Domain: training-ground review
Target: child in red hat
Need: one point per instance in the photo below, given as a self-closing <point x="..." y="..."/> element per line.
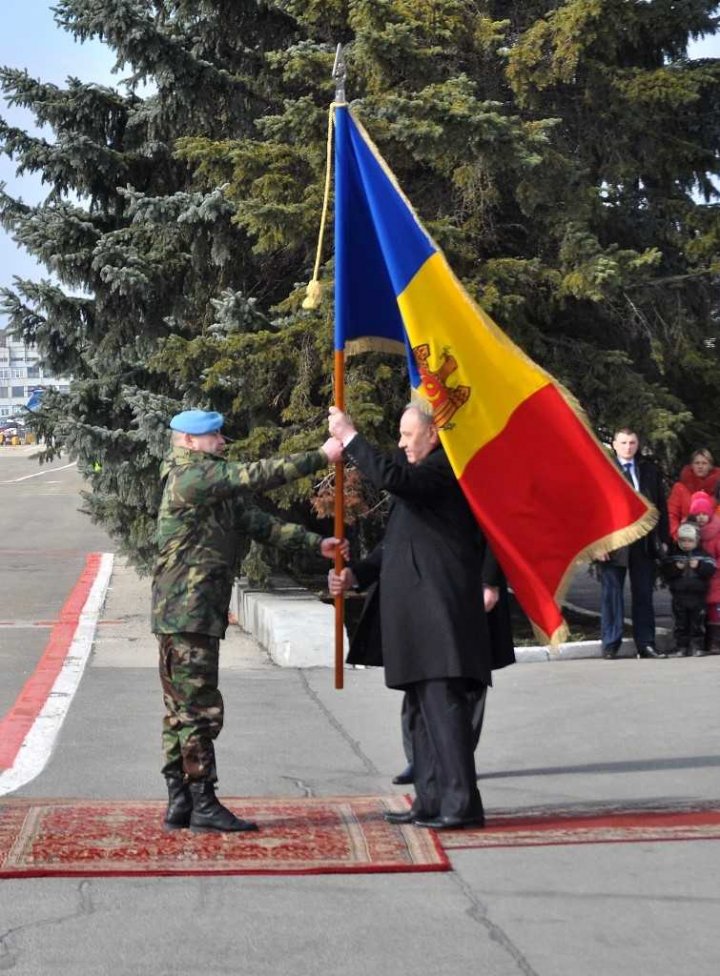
<point x="702" y="513"/>
<point x="688" y="569"/>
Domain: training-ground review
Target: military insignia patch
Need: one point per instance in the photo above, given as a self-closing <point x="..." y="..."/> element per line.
<point x="445" y="400"/>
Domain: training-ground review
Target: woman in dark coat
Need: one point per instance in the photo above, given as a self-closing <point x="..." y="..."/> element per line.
<point x="436" y="642"/>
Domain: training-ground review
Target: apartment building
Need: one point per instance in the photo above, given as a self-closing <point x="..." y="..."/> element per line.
<point x="20" y="375"/>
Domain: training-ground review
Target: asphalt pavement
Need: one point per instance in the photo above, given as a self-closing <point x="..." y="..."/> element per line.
<point x="582" y="735"/>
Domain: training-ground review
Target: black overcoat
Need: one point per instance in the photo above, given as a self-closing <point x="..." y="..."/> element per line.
<point x="429" y="574"/>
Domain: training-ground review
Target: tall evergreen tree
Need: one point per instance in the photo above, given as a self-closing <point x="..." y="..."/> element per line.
<point x="563" y="157"/>
<point x="136" y="253"/>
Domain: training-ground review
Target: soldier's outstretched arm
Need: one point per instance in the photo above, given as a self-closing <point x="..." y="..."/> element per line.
<point x="272" y="531"/>
<point x="210" y="482"/>
<point x="273" y="472"/>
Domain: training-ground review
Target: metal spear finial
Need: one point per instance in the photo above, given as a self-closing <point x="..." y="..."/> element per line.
<point x="339" y="73"/>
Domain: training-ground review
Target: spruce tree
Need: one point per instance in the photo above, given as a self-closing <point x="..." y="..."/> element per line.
<point x="137" y="254"/>
<point x="563" y="158"/>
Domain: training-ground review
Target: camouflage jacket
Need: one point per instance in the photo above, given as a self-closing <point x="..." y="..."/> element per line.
<point x="205" y="513"/>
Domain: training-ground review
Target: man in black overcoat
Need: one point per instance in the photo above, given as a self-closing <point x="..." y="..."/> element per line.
<point x="366" y="644"/>
<point x="436" y="642"/>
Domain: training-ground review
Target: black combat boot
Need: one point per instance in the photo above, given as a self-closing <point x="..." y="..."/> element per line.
<point x="209" y="815"/>
<point x="179" y="802"/>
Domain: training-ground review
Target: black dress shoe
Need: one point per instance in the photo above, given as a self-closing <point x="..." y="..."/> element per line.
<point x="610" y="651"/>
<point x="450" y="823"/>
<point x="405" y="777"/>
<point x="647" y="650"/>
<point x="404" y="816"/>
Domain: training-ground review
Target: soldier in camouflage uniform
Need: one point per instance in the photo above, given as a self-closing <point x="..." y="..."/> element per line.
<point x="205" y="512"/>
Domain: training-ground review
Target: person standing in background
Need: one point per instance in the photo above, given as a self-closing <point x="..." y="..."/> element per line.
<point x="699" y="475"/>
<point x="638" y="560"/>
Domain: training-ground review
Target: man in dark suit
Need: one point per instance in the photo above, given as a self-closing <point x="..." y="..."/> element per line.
<point x="638" y="559"/>
<point x="436" y="643"/>
<point x="478" y="698"/>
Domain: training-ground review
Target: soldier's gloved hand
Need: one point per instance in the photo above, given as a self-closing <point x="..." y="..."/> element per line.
<point x="491" y="595"/>
<point x="341" y="426"/>
<point x="328" y="547"/>
<point x="333" y="449"/>
<point x="341" y="582"/>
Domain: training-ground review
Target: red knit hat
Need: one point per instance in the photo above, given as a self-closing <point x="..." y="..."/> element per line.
<point x="701" y="504"/>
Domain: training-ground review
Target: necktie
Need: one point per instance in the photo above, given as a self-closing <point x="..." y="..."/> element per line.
<point x="627" y="467"/>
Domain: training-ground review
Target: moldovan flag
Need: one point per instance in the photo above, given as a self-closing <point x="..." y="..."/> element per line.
<point x="542" y="488"/>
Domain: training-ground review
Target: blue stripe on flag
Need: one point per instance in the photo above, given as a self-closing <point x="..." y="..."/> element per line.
<point x="379" y="245"/>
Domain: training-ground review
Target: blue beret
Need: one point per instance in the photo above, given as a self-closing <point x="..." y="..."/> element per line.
<point x="197" y="422"/>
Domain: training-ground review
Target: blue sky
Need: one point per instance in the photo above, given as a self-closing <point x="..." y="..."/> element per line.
<point x="30" y="39"/>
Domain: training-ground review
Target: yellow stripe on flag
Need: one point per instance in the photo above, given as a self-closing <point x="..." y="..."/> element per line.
<point x="438" y="312"/>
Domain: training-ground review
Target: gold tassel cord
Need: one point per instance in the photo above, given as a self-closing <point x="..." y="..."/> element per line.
<point x="313" y="295"/>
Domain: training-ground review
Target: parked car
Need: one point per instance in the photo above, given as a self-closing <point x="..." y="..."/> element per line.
<point x="11" y="431"/>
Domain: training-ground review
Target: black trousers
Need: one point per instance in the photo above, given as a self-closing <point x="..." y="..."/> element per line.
<point x="477" y="695"/>
<point x="689" y="625"/>
<point x="440" y="722"/>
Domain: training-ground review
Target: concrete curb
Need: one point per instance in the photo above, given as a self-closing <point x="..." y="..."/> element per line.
<point x="572" y="651"/>
<point x="298" y="631"/>
<point x="295" y="628"/>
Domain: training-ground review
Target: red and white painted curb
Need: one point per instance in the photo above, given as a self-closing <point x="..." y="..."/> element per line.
<point x="30" y="729"/>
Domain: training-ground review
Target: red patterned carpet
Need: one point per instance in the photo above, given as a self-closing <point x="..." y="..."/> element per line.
<point x="608" y="826"/>
<point x="328" y="835"/>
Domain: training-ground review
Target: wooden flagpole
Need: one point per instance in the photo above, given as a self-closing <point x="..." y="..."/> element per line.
<point x="339" y="528"/>
<point x="339" y="73"/>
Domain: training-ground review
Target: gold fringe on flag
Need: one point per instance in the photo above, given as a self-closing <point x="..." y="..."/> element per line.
<point x="601" y="547"/>
<point x="354" y="347"/>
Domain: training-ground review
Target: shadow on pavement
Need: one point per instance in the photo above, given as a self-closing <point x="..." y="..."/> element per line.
<point x="632" y="766"/>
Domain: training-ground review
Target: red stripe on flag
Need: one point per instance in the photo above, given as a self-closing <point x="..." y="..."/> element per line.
<point x="19" y="720"/>
<point x="543" y="492"/>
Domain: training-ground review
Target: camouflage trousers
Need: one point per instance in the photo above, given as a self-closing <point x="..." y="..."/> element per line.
<point x="193" y="704"/>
